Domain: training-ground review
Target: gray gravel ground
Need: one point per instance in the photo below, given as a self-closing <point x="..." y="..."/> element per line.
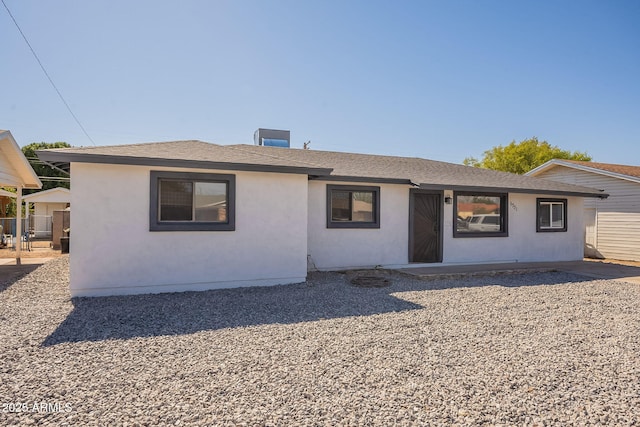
<point x="532" y="349"/>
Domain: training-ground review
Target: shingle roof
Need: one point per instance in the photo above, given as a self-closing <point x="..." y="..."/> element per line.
<point x="423" y="172"/>
<point x="189" y="153"/>
<point x="317" y="164"/>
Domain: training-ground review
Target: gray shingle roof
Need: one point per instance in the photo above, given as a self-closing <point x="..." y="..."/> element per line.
<point x="191" y="154"/>
<point x="317" y="164"/>
<point x="423" y="172"/>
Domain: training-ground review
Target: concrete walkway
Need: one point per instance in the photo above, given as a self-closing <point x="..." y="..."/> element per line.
<point x="593" y="269"/>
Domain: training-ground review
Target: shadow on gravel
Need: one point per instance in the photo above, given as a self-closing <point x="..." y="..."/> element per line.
<point x="10" y="274"/>
<point x="323" y="296"/>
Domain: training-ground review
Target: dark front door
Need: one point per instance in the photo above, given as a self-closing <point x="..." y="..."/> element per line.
<point x="425" y="229"/>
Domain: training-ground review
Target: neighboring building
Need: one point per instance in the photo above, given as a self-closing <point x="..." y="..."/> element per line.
<point x="15" y="172"/>
<point x="45" y="203"/>
<point x="189" y="215"/>
<point x="612" y="226"/>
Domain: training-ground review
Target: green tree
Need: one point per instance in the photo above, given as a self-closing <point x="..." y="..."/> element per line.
<point x="523" y="156"/>
<point x="57" y="177"/>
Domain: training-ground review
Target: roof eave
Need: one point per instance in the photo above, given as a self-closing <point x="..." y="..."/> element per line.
<point x="59" y="156"/>
<point x="600" y="195"/>
<point x="347" y="178"/>
<point x="28" y="177"/>
<point x="39" y="194"/>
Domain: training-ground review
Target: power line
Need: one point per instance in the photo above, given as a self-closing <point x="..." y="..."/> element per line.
<point x="47" y="74"/>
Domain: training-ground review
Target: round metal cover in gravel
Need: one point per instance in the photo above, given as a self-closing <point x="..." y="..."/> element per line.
<point x="369" y="278"/>
<point x="534" y="349"/>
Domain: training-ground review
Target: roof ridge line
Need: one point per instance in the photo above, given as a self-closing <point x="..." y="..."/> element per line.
<point x="134" y="144"/>
<point x="235" y="147"/>
<point x="350" y="152"/>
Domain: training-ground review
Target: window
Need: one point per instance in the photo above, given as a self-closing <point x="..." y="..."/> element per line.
<point x="353" y="206"/>
<point x="182" y="201"/>
<point x="480" y="215"/>
<point x="551" y="215"/>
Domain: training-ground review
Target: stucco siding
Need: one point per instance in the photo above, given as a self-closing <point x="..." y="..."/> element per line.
<point x="343" y="248"/>
<point x="113" y="251"/>
<point x="332" y="249"/>
<point x="524" y="243"/>
<point x="617" y="217"/>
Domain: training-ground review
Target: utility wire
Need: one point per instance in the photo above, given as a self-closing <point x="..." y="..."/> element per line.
<point x="47" y="74"/>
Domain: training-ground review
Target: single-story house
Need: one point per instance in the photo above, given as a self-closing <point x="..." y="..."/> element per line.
<point x="612" y="225"/>
<point x="16" y="172"/>
<point x="44" y="204"/>
<point x="190" y="215"/>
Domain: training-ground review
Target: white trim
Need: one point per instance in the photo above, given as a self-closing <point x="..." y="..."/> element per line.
<point x="555" y="162"/>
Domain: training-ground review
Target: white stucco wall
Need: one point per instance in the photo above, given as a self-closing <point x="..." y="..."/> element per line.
<point x="523" y="244"/>
<point x="343" y="248"/>
<point x="113" y="251"/>
<point x="336" y="248"/>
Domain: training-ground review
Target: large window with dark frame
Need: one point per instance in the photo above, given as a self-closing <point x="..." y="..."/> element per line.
<point x="353" y="206"/>
<point x="479" y="214"/>
<point x="551" y="215"/>
<point x="184" y="201"/>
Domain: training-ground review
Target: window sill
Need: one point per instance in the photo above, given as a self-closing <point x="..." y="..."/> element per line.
<point x="475" y="235"/>
<point x="193" y="226"/>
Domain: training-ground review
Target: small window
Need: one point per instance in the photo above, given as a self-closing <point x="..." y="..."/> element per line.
<point x="353" y="206"/>
<point x="181" y="201"/>
<point x="480" y="214"/>
<point x="551" y="215"/>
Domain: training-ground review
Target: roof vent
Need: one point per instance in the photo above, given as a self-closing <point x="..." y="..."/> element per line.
<point x="272" y="138"/>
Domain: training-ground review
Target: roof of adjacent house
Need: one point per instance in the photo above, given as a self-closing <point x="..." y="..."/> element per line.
<point x="628" y="172"/>
<point x="52" y="195"/>
<point x="325" y="165"/>
<point x="16" y="170"/>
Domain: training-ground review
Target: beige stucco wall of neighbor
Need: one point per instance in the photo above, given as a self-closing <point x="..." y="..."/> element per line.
<point x="343" y="248"/>
<point x="523" y="244"/>
<point x="113" y="252"/>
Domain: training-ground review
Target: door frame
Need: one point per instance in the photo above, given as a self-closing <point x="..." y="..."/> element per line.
<point x="440" y="194"/>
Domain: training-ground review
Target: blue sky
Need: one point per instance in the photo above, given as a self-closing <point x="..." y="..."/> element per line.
<point x="437" y="79"/>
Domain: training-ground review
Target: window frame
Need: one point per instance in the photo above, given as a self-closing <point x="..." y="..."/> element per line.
<point x="354" y="224"/>
<point x="504" y="214"/>
<point x="539" y="228"/>
<point x="154" y="202"/>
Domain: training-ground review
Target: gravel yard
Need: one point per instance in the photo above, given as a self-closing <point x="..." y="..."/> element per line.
<point x="530" y="349"/>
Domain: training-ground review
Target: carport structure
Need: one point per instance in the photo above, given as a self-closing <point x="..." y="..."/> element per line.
<point x="16" y="172"/>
